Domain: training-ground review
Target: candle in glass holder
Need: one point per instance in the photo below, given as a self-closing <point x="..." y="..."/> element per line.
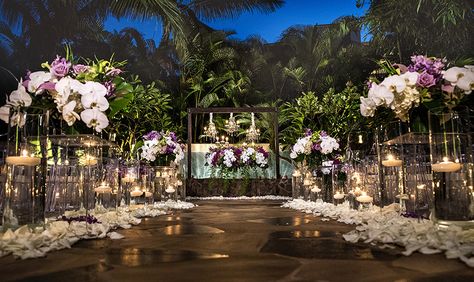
<point x="179" y="183"/>
<point x="170" y="189"/>
<point x="103" y="188"/>
<point x="315" y="189"/>
<point x="338" y="195"/>
<point x="446" y="166"/>
<point x="24" y="159"/>
<point x="129" y="178"/>
<point x="357" y="192"/>
<point x="136" y="192"/>
<point x="148" y="194"/>
<point x="391" y="161"/>
<point x="364" y="198"/>
<point x="307" y="182"/>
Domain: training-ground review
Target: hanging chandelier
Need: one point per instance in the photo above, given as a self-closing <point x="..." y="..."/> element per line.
<point x="253" y="132"/>
<point x="211" y="130"/>
<point x="231" y="125"/>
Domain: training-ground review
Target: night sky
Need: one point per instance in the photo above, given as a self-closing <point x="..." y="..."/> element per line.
<point x="268" y="26"/>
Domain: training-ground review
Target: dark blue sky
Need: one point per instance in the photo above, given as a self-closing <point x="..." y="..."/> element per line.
<point x="268" y="26"/>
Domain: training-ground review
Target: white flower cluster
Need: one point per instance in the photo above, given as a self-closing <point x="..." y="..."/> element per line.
<point x="229" y="157"/>
<point x="220" y="198"/>
<point x="261" y="160"/>
<point x="160" y="146"/>
<point x="387" y="227"/>
<point x="463" y="78"/>
<point x="247" y="154"/>
<point x="150" y="150"/>
<point x="302" y="146"/>
<point x="397" y="92"/>
<point x="73" y="99"/>
<point x="328" y="145"/>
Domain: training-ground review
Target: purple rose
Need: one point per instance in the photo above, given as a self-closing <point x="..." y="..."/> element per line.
<point x="426" y="80"/>
<point x="60" y="67"/>
<point x="113" y="72"/>
<point x="78" y="69"/>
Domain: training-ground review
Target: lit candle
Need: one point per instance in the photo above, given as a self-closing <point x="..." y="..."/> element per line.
<point x="129" y="178"/>
<point x="364" y="198"/>
<point x="391" y="161"/>
<point x="148" y="194"/>
<point x="446" y="166"/>
<point x="360" y="139"/>
<point x="179" y="183"/>
<point x="357" y="192"/>
<point x="170" y="190"/>
<point x="89" y="160"/>
<point x="136" y="192"/>
<point x="307" y="182"/>
<point x="103" y="188"/>
<point x="338" y="195"/>
<point x="315" y="189"/>
<point x="24" y="159"/>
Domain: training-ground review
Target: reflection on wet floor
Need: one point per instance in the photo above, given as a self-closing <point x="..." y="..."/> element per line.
<point x="283" y="221"/>
<point x="138" y="257"/>
<point x="302" y="234"/>
<point x="80" y="274"/>
<point x="185" y="229"/>
<point x="323" y="248"/>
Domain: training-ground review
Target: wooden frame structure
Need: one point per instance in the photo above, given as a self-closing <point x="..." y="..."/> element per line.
<point x="228" y="110"/>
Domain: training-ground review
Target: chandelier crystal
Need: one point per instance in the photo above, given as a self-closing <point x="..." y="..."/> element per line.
<point x="211" y="130"/>
<point x="231" y="125"/>
<point x="253" y="132"/>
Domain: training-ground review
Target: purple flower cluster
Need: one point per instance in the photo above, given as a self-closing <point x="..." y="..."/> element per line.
<point x="89" y="219"/>
<point x="430" y="69"/>
<point x="152" y="135"/>
<point x="60" y="67"/>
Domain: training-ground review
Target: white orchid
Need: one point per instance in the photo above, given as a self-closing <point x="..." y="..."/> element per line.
<point x="69" y="115"/>
<point x="36" y="79"/>
<point x="18" y="119"/>
<point x="454" y="74"/>
<point x="5" y="113"/>
<point x="93" y="88"/>
<point x="95" y="119"/>
<point x="410" y="78"/>
<point x="19" y="97"/>
<point x="95" y="101"/>
<point x="380" y="95"/>
<point x="367" y="107"/>
<point x="394" y="83"/>
<point x="65" y="87"/>
<point x="328" y="145"/>
<point x="466" y="82"/>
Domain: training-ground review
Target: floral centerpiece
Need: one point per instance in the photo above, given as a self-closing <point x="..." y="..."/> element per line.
<point x="425" y="81"/>
<point x="230" y="159"/>
<point x="315" y="148"/>
<point x="75" y="91"/>
<point x="161" y="145"/>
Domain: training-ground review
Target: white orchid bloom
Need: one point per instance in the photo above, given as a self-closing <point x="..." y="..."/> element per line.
<point x="36" y="79"/>
<point x="95" y="101"/>
<point x="367" y="107"/>
<point x="410" y="78"/>
<point x="20" y="97"/>
<point x="95" y="119"/>
<point x="380" y="95"/>
<point x="454" y="74"/>
<point x="5" y="113"/>
<point x="466" y="82"/>
<point x="69" y="115"/>
<point x="65" y="87"/>
<point x="394" y="83"/>
<point x="93" y="88"/>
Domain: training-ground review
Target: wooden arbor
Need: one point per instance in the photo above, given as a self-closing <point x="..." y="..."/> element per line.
<point x="225" y="110"/>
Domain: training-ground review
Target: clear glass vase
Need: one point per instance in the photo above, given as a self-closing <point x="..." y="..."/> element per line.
<point x="25" y="167"/>
<point x="452" y="168"/>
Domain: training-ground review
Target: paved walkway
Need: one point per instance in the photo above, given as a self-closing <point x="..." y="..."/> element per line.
<point x="233" y="241"/>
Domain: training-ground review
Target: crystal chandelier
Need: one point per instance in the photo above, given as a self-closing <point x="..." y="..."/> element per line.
<point x="211" y="130"/>
<point x="231" y="125"/>
<point x="253" y="133"/>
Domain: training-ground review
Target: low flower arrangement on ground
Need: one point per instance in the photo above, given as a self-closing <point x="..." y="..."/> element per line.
<point x="161" y="145"/>
<point x="75" y="91"/>
<point x="315" y="148"/>
<point x="425" y="81"/>
<point x="231" y="159"/>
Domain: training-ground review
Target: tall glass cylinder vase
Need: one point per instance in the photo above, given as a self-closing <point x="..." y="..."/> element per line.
<point x="327" y="193"/>
<point x="452" y="168"/>
<point x="297" y="189"/>
<point x="25" y="163"/>
<point x="340" y="182"/>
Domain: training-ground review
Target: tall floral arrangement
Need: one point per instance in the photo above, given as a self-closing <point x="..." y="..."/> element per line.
<point x="158" y="145"/>
<point x="314" y="147"/>
<point x="232" y="158"/>
<point x="425" y="80"/>
<point x="78" y="92"/>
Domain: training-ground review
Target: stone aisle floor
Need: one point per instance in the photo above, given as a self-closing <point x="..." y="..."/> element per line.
<point x="233" y="241"/>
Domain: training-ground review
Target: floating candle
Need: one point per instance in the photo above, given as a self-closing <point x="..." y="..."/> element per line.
<point x="129" y="178"/>
<point x="103" y="189"/>
<point x="136" y="193"/>
<point x="446" y="166"/>
<point x="391" y="161"/>
<point x="364" y="198"/>
<point x="170" y="190"/>
<point x="148" y="194"/>
<point x="315" y="189"/>
<point x="24" y="159"/>
<point x="338" y="195"/>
